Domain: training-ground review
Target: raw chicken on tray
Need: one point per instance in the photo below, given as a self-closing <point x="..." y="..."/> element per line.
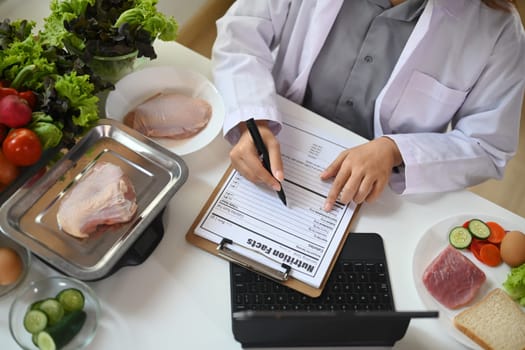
<point x="104" y="196"/>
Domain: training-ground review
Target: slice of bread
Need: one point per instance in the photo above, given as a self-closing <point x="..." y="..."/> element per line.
<point x="495" y="323"/>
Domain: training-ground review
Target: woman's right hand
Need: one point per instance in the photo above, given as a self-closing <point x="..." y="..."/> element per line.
<point x="246" y="160"/>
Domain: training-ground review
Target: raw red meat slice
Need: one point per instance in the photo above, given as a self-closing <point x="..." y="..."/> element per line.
<point x="452" y="279"/>
<point x="104" y="196"/>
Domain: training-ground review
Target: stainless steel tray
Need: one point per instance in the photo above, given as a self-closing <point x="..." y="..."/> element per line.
<point x="29" y="215"/>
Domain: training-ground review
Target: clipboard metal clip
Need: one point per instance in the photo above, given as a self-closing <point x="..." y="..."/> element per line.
<point x="239" y="259"/>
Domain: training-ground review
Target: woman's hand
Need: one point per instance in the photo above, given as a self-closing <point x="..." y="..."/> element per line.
<point x="245" y="159"/>
<point x="361" y="173"/>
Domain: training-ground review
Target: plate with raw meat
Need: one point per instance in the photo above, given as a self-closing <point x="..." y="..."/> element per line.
<point x="89" y="208"/>
<point x="435" y="241"/>
<point x="179" y="109"/>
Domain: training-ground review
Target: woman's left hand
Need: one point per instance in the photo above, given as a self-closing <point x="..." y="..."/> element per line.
<point x="361" y="173"/>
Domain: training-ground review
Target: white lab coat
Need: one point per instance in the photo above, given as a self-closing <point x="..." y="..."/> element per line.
<point x="452" y="103"/>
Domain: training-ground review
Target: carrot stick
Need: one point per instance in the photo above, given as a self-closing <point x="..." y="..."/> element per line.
<point x="490" y="255"/>
<point x="496" y="232"/>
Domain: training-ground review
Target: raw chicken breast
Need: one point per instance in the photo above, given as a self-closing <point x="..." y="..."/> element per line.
<point x="104" y="196"/>
<point x="170" y="115"/>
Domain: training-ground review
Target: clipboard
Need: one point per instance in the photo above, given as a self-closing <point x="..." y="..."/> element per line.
<point x="224" y="251"/>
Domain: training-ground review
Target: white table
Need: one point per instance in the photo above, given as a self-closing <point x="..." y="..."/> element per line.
<point x="179" y="298"/>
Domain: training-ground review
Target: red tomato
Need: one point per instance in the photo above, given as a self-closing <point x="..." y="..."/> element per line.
<point x="22" y="147"/>
<point x="8" y="171"/>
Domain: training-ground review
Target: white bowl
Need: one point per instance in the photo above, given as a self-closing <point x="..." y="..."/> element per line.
<point x="138" y="86"/>
<point x="46" y="288"/>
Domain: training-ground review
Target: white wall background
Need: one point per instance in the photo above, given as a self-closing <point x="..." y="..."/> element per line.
<point x="37" y="10"/>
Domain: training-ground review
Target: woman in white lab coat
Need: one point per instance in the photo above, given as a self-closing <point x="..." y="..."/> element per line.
<point x="447" y="118"/>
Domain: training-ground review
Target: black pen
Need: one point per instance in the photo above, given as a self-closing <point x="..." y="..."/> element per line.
<point x="261" y="149"/>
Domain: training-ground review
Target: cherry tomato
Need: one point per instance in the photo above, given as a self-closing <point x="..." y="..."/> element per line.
<point x="5" y="91"/>
<point x="8" y="171"/>
<point x="29" y="97"/>
<point x="22" y="147"/>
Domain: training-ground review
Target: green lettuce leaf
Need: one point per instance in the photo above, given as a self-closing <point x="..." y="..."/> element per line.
<point x="515" y="284"/>
<point x="21" y="54"/>
<point x="78" y="90"/>
<point x="49" y="132"/>
<point x="14" y="31"/>
<point x="146" y="16"/>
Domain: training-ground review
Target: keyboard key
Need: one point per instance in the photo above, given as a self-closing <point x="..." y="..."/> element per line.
<point x="281" y="299"/>
<point x="370" y="267"/>
<point x="240" y="287"/>
<point x="340" y="277"/>
<point x="269" y="299"/>
<point x="293" y="298"/>
<point x="353" y="285"/>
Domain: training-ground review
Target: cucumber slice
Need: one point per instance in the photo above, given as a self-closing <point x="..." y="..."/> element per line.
<point x="35" y="321"/>
<point x="44" y="341"/>
<point x="478" y="229"/>
<point x="34" y="339"/>
<point x="71" y="299"/>
<point x="67" y="328"/>
<point x="36" y="305"/>
<point x="459" y="237"/>
<point x="53" y="309"/>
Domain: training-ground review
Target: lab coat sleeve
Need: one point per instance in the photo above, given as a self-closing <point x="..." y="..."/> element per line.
<point x="242" y="58"/>
<point x="484" y="132"/>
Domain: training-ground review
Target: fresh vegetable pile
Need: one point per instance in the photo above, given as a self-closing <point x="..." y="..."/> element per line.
<point x="54" y="322"/>
<point x="47" y="98"/>
<point x="48" y="85"/>
<point x="105" y="28"/>
<point x="491" y="244"/>
<point x="482" y="238"/>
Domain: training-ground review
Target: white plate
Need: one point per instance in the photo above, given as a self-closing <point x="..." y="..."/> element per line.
<point x="136" y="87"/>
<point x="430" y="245"/>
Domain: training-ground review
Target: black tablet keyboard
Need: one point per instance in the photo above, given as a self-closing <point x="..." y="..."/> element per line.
<point x="353" y="285"/>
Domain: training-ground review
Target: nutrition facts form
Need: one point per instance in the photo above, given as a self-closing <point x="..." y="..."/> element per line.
<point x="301" y="235"/>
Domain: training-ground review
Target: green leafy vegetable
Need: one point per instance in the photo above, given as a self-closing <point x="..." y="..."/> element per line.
<point x="65" y="88"/>
<point x="146" y="15"/>
<point x="16" y="31"/>
<point x="56" y="66"/>
<point x="515" y="284"/>
<point x="79" y="91"/>
<point x="107" y="28"/>
<point x="49" y="132"/>
<point x="21" y="54"/>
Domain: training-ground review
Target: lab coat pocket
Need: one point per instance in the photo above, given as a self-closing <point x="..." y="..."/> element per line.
<point x="426" y="105"/>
